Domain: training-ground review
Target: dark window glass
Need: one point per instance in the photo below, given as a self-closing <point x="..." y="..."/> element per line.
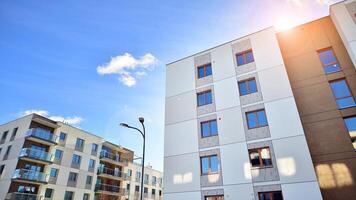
<point x="209" y="128"/>
<point x="204" y="70"/>
<point x="2" y="167"/>
<point x="209" y="164"/>
<point x="256" y="119"/>
<point x="86" y="196"/>
<point x="79" y="143"/>
<point x="329" y="61"/>
<point x="53" y="173"/>
<point x="91" y="163"/>
<point x="58" y="154"/>
<point x="145" y="190"/>
<point x="244" y="57"/>
<point x="48" y="193"/>
<point x="205" y="98"/>
<point x="62" y="136"/>
<point x="72" y="176"/>
<point x="137" y="188"/>
<point x="94" y="147"/>
<point x="89" y="180"/>
<point x="342" y="94"/>
<point x="247" y="86"/>
<point x="14" y="134"/>
<point x="128" y="186"/>
<point x="275" y="195"/>
<point x="260" y="157"/>
<point x="153" y="192"/>
<point x="69" y="195"/>
<point x="215" y="197"/>
<point x="76" y="159"/>
<point x="351" y="127"/>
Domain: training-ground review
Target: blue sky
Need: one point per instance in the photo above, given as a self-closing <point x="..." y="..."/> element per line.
<point x="50" y="52"/>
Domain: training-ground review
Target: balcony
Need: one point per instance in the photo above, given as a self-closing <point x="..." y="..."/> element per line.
<point x="41" y="136"/>
<point x="111" y="173"/>
<point x="36" y="155"/>
<point x="29" y="176"/>
<point x="106" y="189"/>
<point x="112" y="158"/>
<point x="22" y="196"/>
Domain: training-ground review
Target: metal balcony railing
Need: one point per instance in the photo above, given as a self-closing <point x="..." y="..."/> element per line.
<point x="112" y="156"/>
<point x="22" y="196"/>
<point x="30" y="175"/>
<point x="112" y="172"/>
<point x="36" y="154"/>
<point x="109" y="188"/>
<point x="42" y="134"/>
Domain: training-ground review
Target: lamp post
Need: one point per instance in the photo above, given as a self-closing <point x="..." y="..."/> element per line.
<point x="141" y="120"/>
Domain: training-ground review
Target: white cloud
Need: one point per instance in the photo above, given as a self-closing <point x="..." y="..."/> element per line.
<point x="124" y="64"/>
<point x="70" y="120"/>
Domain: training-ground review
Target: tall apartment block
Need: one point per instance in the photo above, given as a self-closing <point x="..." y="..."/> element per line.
<point x="268" y="116"/>
<point x="41" y="159"/>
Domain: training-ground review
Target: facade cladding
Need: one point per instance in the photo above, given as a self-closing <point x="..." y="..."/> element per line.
<point x="271" y="115"/>
<point x="42" y="159"/>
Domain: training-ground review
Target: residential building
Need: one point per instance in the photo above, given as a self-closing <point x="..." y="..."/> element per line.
<point x="270" y="115"/>
<point x="44" y="159"/>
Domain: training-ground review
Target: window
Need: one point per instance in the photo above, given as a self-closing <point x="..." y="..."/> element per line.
<point x="244" y="57"/>
<point x="91" y="164"/>
<point x="86" y="196"/>
<point x="209" y="128"/>
<point x="275" y="195"/>
<point x="2" y="167"/>
<point x="204" y="70"/>
<point x="146" y="178"/>
<point x="160" y="193"/>
<point x="26" y="189"/>
<point x="342" y="94"/>
<point x="89" y="180"/>
<point x="53" y="173"/>
<point x="129" y="172"/>
<point x="205" y="98"/>
<point x="260" y="157"/>
<point x="329" y="61"/>
<point x="215" y="197"/>
<point x="76" y="159"/>
<point x="209" y="164"/>
<point x="3" y="137"/>
<point x="137" y="188"/>
<point x="154" y="180"/>
<point x="14" y="132"/>
<point x="7" y="152"/>
<point x="351" y="127"/>
<point x="79" y="144"/>
<point x="58" y="154"/>
<point x="62" y="137"/>
<point x="94" y="147"/>
<point x="248" y="86"/>
<point x="69" y="195"/>
<point x="72" y="177"/>
<point x="48" y="193"/>
<point x="153" y="192"/>
<point x="128" y="187"/>
<point x="145" y="190"/>
<point x="256" y="119"/>
<point x="138" y="175"/>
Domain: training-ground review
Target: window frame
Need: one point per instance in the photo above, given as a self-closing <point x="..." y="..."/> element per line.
<point x="204" y="99"/>
<point x="79" y="160"/>
<point x="352" y="138"/>
<point x="244" y="56"/>
<point x="259" y="149"/>
<point x="209" y="128"/>
<point x="216" y="197"/>
<point x="349" y="89"/>
<point x="328" y="64"/>
<point x="248" y="90"/>
<point x="204" y="67"/>
<point x="258" y="121"/>
<point x="209" y="164"/>
<point x="270" y="194"/>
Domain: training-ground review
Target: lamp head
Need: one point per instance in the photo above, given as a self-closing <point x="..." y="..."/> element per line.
<point x="141" y="119"/>
<point x="124" y="125"/>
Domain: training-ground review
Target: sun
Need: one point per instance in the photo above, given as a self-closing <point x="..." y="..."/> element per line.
<point x="284" y="24"/>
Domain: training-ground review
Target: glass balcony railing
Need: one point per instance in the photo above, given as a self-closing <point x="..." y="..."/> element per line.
<point x="112" y="172"/>
<point x="111" y="156"/>
<point x="42" y="134"/>
<point x="109" y="188"/>
<point x="22" y="196"/>
<point x="36" y="154"/>
<point x="30" y="175"/>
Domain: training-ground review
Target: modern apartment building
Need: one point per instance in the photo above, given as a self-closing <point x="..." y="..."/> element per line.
<point x="270" y="115"/>
<point x="41" y="159"/>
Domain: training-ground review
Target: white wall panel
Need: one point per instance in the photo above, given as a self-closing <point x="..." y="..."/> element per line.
<point x="230" y="126"/>
<point x="181" y="138"/>
<point x="226" y="93"/>
<point x="181" y="108"/>
<point x="180" y="77"/>
<point x="223" y="62"/>
<point x="235" y="163"/>
<point x="183" y="196"/>
<point x="239" y="192"/>
<point x="297" y="191"/>
<point x="182" y="173"/>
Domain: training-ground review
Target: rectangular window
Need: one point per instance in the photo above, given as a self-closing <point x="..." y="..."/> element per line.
<point x="153" y="192"/>
<point x="91" y="164"/>
<point x="275" y="195"/>
<point x="146" y="178"/>
<point x="48" y="193"/>
<point x="58" y="154"/>
<point x="72" y="177"/>
<point x="62" y="137"/>
<point x="2" y="167"/>
<point x="137" y="188"/>
<point x="3" y="137"/>
<point x="128" y="187"/>
<point x="209" y="164"/>
<point x="342" y="94"/>
<point x="209" y="128"/>
<point x="69" y="195"/>
<point x="160" y="193"/>
<point x="154" y="180"/>
<point x="79" y="144"/>
<point x="256" y="119"/>
<point x="205" y="98"/>
<point x="86" y="196"/>
<point x="248" y="86"/>
<point x="329" y="61"/>
<point x="76" y="159"/>
<point x="260" y="157"/>
<point x="129" y="172"/>
<point x="53" y="173"/>
<point x="94" y="147"/>
<point x="14" y="132"/>
<point x="89" y="180"/>
<point x="215" y="197"/>
<point x="6" y="155"/>
<point x="204" y="70"/>
<point x="244" y="57"/>
<point x="145" y="190"/>
<point x="351" y="127"/>
<point x="138" y="175"/>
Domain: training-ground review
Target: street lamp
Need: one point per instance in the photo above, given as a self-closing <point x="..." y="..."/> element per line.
<point x="141" y="120"/>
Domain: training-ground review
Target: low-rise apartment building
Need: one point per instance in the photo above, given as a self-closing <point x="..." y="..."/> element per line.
<point x="271" y="115"/>
<point x="41" y="159"/>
